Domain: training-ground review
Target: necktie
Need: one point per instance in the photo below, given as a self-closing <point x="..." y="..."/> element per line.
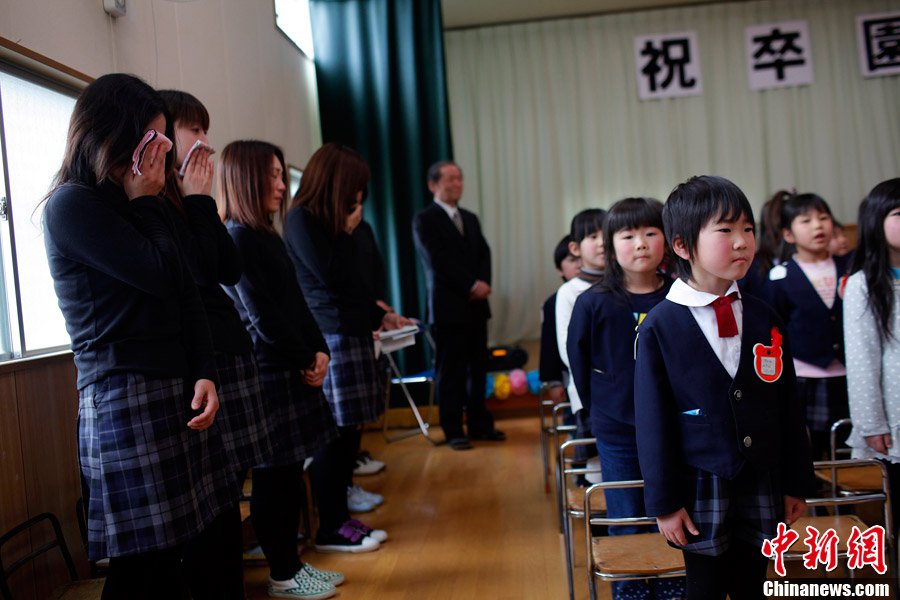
<point x="457" y="220"/>
<point x="725" y="316"/>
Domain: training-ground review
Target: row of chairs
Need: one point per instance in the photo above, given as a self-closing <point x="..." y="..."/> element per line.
<point x="846" y="484"/>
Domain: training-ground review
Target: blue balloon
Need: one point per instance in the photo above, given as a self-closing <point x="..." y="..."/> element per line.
<point x="534" y="381"/>
<point x="489" y="386"/>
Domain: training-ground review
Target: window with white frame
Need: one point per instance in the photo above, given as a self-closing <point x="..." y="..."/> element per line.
<point x="293" y="19"/>
<point x="34" y="117"/>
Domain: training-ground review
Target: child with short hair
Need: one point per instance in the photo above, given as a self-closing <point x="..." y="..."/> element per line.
<point x="601" y="352"/>
<point x="719" y="431"/>
<point x="806" y="292"/>
<point x="872" y="330"/>
<point x="551" y="366"/>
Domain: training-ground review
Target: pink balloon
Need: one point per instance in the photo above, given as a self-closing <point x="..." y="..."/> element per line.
<point x="518" y="382"/>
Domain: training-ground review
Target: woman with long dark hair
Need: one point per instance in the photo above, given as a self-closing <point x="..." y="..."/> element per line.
<point x="318" y="232"/>
<point x="292" y="358"/>
<point x="141" y="342"/>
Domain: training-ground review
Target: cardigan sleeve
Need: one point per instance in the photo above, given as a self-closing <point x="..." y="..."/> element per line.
<point x="578" y="349"/>
<point x="863" y="354"/>
<point x="214" y="249"/>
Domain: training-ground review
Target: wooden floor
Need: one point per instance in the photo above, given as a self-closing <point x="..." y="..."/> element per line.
<point x="462" y="524"/>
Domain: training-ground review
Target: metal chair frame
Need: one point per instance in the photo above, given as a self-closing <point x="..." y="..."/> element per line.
<point x="592" y="571"/>
<point x="394" y="377"/>
<point x="545" y="405"/>
<point x="557" y="428"/>
<point x="568" y="514"/>
<point x="59" y="541"/>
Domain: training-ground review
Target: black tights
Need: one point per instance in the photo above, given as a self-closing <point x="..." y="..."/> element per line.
<point x="331" y="474"/>
<point x="214" y="562"/>
<point x="146" y="576"/>
<point x="278" y="494"/>
<point x="740" y="573"/>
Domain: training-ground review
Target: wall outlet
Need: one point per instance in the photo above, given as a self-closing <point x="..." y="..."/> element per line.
<point x="116" y="8"/>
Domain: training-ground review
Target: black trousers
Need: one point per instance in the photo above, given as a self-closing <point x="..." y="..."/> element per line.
<point x="147" y="576"/>
<point x="461" y="370"/>
<point x="214" y="561"/>
<point x="275" y="506"/>
<point x="739" y="573"/>
<point x="331" y="473"/>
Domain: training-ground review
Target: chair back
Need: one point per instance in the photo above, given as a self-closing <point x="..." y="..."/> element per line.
<point x="58" y="541"/>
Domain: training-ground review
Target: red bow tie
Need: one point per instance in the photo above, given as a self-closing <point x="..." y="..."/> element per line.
<point x="724" y="315"/>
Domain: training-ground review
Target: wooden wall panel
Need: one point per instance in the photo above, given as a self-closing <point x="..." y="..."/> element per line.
<point x="48" y="409"/>
<point x="13" y="507"/>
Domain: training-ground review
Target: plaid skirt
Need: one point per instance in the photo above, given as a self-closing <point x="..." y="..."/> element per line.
<point x="353" y="385"/>
<point x="301" y="422"/>
<point x="825" y="400"/>
<point x="747" y="508"/>
<point x="151" y="483"/>
<point x="242" y="420"/>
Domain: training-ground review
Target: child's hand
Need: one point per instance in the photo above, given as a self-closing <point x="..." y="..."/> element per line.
<point x="793" y="508"/>
<point x="880" y="443"/>
<point x="672" y="526"/>
<point x="557" y="393"/>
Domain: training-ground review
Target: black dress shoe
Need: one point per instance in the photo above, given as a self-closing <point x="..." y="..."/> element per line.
<point x="494" y="435"/>
<point x="460" y="443"/>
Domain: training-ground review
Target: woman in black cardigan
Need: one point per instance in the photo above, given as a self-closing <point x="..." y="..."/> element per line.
<point x="141" y="343"/>
<point x="317" y="232"/>
<point x="292" y="358"/>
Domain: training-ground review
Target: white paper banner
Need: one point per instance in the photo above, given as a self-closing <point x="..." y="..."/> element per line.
<point x="778" y="55"/>
<point x="879" y="43"/>
<point x="667" y="65"/>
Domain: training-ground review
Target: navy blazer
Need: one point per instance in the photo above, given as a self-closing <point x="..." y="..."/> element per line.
<point x="452" y="264"/>
<point x="691" y="413"/>
<point x="816" y="331"/>
<point x="551" y="366"/>
<point x="600" y="346"/>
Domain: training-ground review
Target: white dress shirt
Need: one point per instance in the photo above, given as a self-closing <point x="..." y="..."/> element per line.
<point x="727" y="349"/>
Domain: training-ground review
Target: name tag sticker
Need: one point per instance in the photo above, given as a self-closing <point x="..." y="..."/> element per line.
<point x="767" y="360"/>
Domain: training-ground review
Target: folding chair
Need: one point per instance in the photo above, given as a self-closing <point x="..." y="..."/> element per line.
<point x="557" y="430"/>
<point x="852" y="480"/>
<point x="843" y="523"/>
<point x="624" y="557"/>
<point x="574" y="506"/>
<point x="396" y="378"/>
<point x="545" y="406"/>
<point x="84" y="589"/>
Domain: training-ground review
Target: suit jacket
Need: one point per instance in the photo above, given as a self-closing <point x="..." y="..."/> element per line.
<point x="452" y="263"/>
<point x="816" y="331"/>
<point x="689" y="412"/>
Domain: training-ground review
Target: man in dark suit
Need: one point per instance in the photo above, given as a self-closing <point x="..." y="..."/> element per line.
<point x="457" y="262"/>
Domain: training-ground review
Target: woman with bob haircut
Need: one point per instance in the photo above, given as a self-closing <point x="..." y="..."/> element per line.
<point x="141" y="343"/>
<point x="318" y="232"/>
<point x="292" y="357"/>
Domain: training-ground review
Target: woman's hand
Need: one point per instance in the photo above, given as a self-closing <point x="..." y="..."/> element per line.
<point x="153" y="177"/>
<point x="353" y="219"/>
<point x="315" y="375"/>
<point x="672" y="526"/>
<point x="198" y="175"/>
<point x="793" y="508"/>
<point x="393" y="320"/>
<point x="205" y="396"/>
<point x="880" y="443"/>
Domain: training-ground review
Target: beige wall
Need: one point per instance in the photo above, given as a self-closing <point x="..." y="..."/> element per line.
<point x="228" y="53"/>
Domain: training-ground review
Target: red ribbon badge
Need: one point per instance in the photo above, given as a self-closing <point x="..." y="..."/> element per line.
<point x="767" y="360"/>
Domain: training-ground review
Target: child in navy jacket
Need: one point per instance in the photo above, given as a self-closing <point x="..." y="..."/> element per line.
<point x="807" y="291"/>
<point x="601" y="353"/>
<point x="719" y="431"/>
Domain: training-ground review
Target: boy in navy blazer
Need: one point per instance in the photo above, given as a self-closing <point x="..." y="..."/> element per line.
<point x="721" y="440"/>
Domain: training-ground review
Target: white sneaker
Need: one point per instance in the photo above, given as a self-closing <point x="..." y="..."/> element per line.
<point x="302" y="585"/>
<point x="366" y="465"/>
<point x="371" y="497"/>
<point x="358" y="503"/>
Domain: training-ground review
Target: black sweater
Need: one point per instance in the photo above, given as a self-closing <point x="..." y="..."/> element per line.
<point x="127" y="296"/>
<point x="327" y="268"/>
<point x="272" y="307"/>
<point x="213" y="260"/>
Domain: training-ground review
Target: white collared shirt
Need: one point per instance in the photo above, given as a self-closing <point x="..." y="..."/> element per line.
<point x="451" y="211"/>
<point x="727" y="349"/>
